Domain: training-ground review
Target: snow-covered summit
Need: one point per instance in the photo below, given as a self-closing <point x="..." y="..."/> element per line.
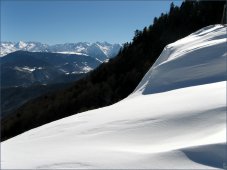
<point x="9" y="47"/>
<point x="181" y="127"/>
<point x="21" y="44"/>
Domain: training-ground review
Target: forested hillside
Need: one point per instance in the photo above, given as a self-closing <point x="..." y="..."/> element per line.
<point x="23" y="94"/>
<point x="116" y="79"/>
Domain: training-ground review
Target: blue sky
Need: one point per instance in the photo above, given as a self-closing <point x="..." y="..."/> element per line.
<point x="54" y="22"/>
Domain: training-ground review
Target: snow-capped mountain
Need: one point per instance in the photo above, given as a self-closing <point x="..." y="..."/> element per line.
<point x="9" y="47"/>
<point x="175" y="119"/>
<point x="101" y="51"/>
<point x="25" y="74"/>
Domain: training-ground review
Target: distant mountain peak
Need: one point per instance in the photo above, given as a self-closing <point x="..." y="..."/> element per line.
<point x="100" y="50"/>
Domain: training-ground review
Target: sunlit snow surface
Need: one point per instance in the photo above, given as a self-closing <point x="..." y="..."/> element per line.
<point x="199" y="58"/>
<point x="174" y="128"/>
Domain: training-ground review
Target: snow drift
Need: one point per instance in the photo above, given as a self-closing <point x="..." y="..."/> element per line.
<point x="181" y="127"/>
<point x="199" y="58"/>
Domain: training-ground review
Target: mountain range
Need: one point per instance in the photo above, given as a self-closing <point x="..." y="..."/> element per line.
<point x="30" y="69"/>
<point x="101" y="51"/>
<point x="26" y="63"/>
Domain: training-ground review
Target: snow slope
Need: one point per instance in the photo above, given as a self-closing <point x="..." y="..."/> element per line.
<point x="199" y="58"/>
<point x="179" y="128"/>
